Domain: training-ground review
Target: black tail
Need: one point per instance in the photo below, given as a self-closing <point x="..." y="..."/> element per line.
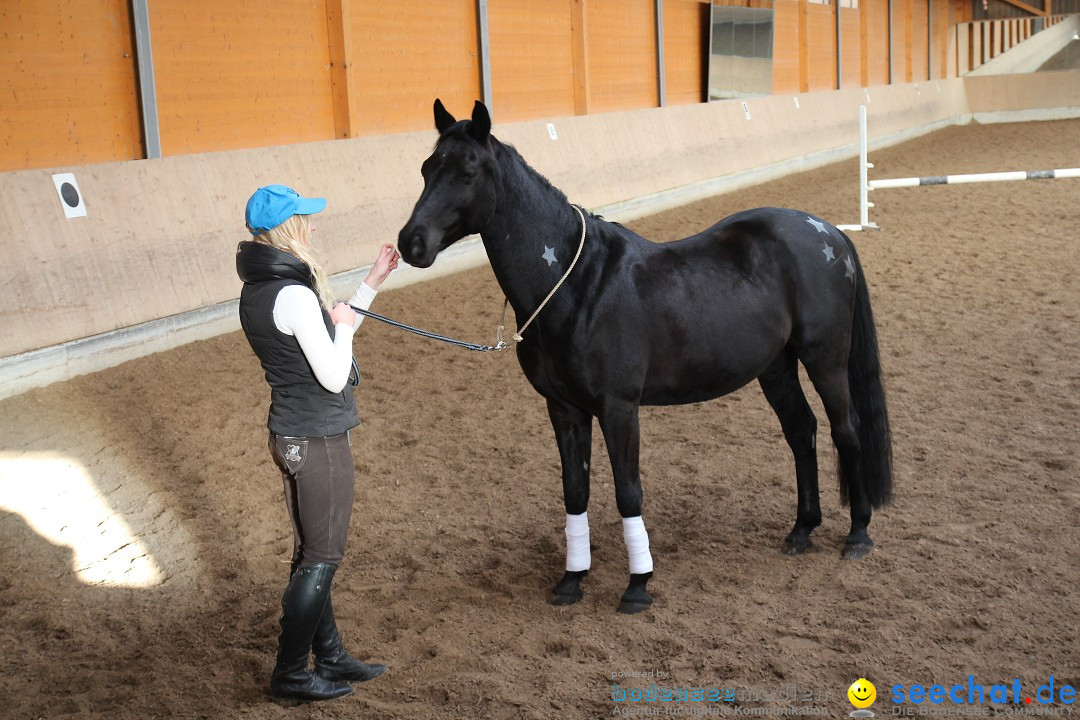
<point x="868" y="397"/>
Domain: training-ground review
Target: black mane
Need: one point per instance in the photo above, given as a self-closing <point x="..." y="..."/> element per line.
<point x="460" y="130"/>
<point x="529" y="169"/>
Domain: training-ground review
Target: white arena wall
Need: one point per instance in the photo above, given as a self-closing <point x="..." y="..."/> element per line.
<point x="150" y="266"/>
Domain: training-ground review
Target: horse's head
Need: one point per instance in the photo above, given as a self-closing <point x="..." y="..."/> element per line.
<point x="459" y="187"/>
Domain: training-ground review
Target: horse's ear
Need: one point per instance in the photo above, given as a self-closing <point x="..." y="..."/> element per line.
<point x="443" y="119"/>
<point x="481" y="122"/>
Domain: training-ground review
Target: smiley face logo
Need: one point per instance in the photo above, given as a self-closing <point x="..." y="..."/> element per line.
<point x="862" y="693"/>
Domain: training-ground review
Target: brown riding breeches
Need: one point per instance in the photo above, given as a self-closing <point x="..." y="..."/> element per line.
<point x="318" y="475"/>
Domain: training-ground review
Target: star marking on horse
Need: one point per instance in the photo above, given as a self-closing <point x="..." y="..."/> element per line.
<point x="850" y="272"/>
<point x="828" y="250"/>
<point x="549" y="255"/>
<point x="817" y="224"/>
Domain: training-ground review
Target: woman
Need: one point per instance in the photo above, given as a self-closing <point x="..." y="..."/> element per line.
<point x="303" y="339"/>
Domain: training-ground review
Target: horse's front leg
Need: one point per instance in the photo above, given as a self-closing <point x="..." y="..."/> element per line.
<point x="619" y="423"/>
<point x="573" y="433"/>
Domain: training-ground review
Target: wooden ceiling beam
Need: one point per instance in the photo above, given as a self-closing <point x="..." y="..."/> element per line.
<point x="1031" y="8"/>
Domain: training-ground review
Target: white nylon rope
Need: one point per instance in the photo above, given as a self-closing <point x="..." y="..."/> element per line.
<point x="517" y="336"/>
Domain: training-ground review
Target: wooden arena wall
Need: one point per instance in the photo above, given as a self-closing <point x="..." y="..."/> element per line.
<point x="248" y="73"/>
<point x="68" y="93"/>
<point x="923" y="43"/>
<point x="158" y="237"/>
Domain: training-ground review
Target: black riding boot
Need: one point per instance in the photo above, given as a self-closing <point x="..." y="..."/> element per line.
<point x="332" y="662"/>
<point x="302" y="608"/>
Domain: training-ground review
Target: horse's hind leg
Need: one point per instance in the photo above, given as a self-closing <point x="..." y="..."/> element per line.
<point x="573" y="433"/>
<point x="780" y="383"/>
<point x="830" y="379"/>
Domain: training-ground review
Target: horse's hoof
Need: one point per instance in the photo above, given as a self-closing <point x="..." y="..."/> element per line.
<point x="796" y="547"/>
<point x="854" y="551"/>
<point x="568" y="591"/>
<point x="633" y="607"/>
<point x="563" y="599"/>
<point x="636" y="598"/>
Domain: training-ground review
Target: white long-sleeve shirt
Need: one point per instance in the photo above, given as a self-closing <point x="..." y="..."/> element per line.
<point x="297" y="312"/>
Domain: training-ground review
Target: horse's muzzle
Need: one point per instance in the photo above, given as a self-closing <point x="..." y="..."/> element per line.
<point x="416" y="247"/>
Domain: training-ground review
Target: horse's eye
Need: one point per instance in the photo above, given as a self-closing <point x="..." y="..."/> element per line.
<point x="468" y="175"/>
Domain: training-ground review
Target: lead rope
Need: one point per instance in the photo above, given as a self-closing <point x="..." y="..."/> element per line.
<point x="425" y="333"/>
<point x="500" y="344"/>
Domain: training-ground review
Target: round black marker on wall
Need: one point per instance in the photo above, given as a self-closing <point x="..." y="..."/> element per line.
<point x="71" y="199"/>
<point x="70" y="195"/>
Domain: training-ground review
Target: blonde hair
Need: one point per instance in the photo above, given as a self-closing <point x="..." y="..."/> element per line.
<point x="294" y="237"/>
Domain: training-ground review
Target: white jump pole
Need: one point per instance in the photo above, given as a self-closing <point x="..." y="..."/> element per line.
<point x="864" y="185"/>
<point x="864" y="167"/>
<point x="975" y="178"/>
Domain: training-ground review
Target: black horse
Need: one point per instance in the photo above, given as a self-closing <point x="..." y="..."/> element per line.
<point x="640" y="323"/>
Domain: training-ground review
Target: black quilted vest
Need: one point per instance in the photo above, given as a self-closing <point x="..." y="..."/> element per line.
<point x="299" y="405"/>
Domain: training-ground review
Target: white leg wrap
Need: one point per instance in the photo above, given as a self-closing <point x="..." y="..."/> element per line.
<point x="637" y="545"/>
<point x="578" y="555"/>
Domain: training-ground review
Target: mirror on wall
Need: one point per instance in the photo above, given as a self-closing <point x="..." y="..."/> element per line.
<point x="740" y="49"/>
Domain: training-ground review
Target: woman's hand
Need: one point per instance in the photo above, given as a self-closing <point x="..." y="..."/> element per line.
<point x="342" y="313"/>
<point x="385" y="264"/>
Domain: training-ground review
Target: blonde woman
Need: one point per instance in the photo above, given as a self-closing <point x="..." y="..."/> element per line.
<point x="303" y="338"/>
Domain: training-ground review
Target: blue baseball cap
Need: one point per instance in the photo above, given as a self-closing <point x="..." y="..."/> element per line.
<point x="274" y="204"/>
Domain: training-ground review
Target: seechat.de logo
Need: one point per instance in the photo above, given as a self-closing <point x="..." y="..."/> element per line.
<point x="975" y="693"/>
